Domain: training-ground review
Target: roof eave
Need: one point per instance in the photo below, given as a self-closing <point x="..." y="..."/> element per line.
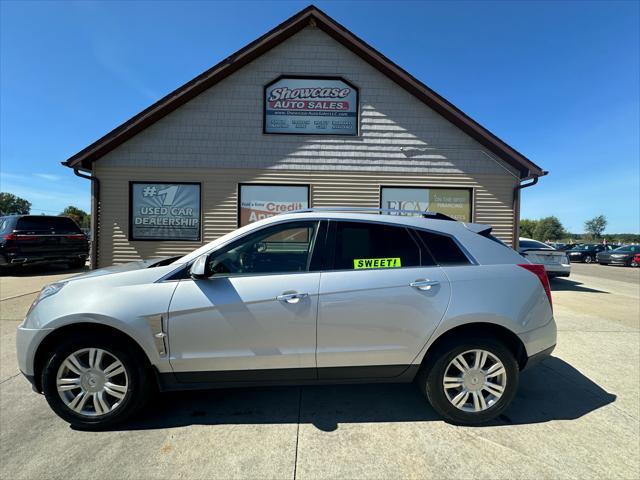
<point x="279" y="34"/>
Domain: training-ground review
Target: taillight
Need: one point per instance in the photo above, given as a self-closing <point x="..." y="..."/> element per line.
<point x="10" y="236"/>
<point x="76" y="236"/>
<point x="26" y="237"/>
<point x="538" y="271"/>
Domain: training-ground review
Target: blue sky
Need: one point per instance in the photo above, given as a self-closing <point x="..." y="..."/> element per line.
<point x="557" y="81"/>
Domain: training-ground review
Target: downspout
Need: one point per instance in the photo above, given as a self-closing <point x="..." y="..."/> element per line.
<point x="95" y="201"/>
<point x="516" y="205"/>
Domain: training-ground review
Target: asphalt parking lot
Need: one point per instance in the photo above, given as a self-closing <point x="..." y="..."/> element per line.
<point x="576" y="415"/>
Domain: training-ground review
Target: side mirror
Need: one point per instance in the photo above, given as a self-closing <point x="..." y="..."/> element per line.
<point x="200" y="269"/>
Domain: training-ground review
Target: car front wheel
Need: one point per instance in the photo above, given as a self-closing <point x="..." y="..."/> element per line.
<point x="588" y="259"/>
<point x="471" y="381"/>
<point x="94" y="382"/>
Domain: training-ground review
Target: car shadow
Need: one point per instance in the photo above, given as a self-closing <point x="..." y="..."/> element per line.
<point x="38" y="270"/>
<point x="566" y="285"/>
<point x="553" y="390"/>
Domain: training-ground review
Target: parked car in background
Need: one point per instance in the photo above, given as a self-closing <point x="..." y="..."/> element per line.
<point x="556" y="264"/>
<point x="309" y="297"/>
<point x="563" y="247"/>
<point x="635" y="262"/>
<point x="586" y="252"/>
<point x="620" y="256"/>
<point x="30" y="239"/>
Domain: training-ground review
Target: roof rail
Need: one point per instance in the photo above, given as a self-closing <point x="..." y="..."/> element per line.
<point x="386" y="211"/>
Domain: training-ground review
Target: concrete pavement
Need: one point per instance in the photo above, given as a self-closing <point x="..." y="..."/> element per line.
<point x="575" y="416"/>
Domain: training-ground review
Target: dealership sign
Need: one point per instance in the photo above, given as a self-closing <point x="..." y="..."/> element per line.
<point x="164" y="211"/>
<point x="454" y="202"/>
<point x="263" y="201"/>
<point x="317" y="106"/>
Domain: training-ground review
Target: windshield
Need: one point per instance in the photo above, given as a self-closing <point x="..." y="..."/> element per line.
<point x="584" y="247"/>
<point x="534" y="244"/>
<point x="628" y="249"/>
<point x="45" y="223"/>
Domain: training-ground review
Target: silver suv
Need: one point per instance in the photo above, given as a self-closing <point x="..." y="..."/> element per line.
<point x="317" y="296"/>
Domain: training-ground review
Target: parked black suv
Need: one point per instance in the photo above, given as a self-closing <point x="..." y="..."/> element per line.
<point x="28" y="239"/>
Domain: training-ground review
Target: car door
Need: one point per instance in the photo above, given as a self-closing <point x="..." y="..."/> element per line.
<point x="381" y="297"/>
<point x="255" y="317"/>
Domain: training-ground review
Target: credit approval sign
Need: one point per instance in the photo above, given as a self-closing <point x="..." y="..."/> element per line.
<point x="311" y="105"/>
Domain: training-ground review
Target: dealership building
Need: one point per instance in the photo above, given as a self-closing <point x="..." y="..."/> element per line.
<point x="308" y="115"/>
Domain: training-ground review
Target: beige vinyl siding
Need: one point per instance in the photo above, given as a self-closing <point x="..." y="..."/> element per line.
<point x="492" y="200"/>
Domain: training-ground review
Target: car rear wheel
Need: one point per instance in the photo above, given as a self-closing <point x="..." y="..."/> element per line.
<point x="94" y="382"/>
<point x="471" y="380"/>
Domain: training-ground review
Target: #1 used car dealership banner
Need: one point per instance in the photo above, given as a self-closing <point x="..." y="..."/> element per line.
<point x="318" y="106"/>
<point x="164" y="211"/>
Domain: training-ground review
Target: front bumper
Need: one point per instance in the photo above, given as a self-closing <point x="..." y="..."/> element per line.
<point x="27" y="342"/>
<point x="620" y="260"/>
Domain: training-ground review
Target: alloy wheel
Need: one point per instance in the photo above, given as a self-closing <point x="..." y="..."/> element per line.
<point x="474" y="380"/>
<point x="92" y="382"/>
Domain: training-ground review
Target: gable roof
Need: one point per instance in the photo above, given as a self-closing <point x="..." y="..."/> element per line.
<point x="309" y="16"/>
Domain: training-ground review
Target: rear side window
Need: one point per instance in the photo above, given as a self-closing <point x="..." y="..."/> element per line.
<point x="6" y="224"/>
<point x="44" y="223"/>
<point x="444" y="249"/>
<point x="362" y="245"/>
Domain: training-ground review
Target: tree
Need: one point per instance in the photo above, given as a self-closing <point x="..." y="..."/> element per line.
<point x="548" y="228"/>
<point x="81" y="217"/>
<point x="596" y="225"/>
<point x="11" y="204"/>
<point x="527" y="227"/>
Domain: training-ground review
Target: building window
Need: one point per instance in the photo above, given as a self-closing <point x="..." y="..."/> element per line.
<point x="258" y="201"/>
<point x="164" y="211"/>
<point x="454" y="202"/>
<point x="311" y="105"/>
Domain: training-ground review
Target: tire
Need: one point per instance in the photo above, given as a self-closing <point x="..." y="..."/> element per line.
<point x="431" y="380"/>
<point x="135" y="377"/>
<point x="588" y="259"/>
<point x="77" y="263"/>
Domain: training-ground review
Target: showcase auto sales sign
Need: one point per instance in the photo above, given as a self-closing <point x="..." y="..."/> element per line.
<point x="317" y="106"/>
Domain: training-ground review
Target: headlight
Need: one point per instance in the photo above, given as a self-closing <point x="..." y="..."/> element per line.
<point x="46" y="291"/>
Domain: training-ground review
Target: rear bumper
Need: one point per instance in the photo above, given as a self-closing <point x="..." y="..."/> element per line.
<point x="533" y="360"/>
<point x="558" y="270"/>
<point x="22" y="259"/>
<point x="540" y="342"/>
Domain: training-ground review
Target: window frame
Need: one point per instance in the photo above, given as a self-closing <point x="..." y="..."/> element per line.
<point x="332" y="242"/>
<point x="312" y="248"/>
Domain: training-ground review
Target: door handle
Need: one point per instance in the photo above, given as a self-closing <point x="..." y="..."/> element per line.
<point x="291" y="297"/>
<point x="422" y="284"/>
